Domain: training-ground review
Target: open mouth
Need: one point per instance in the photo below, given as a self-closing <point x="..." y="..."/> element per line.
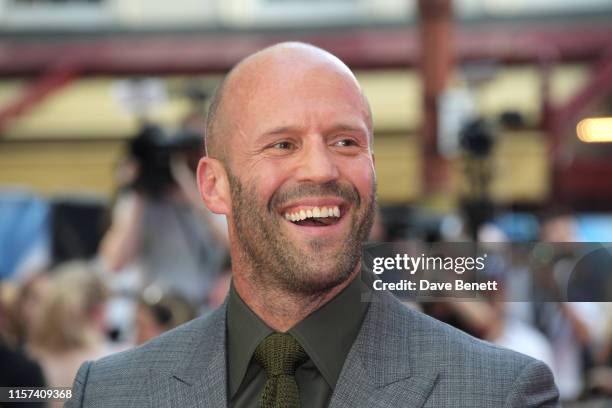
<point x="312" y="216"/>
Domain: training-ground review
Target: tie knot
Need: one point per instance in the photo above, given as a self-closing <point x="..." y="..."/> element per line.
<point x="280" y="354"/>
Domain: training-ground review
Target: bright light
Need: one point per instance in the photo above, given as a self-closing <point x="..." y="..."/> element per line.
<point x="595" y="130"/>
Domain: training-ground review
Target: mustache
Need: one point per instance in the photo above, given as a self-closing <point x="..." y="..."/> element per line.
<point x="332" y="188"/>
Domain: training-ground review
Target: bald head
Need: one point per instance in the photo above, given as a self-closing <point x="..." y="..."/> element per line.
<point x="278" y="66"/>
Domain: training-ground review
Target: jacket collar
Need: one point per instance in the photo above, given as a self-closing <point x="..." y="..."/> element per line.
<point x="382" y="369"/>
<point x="198" y="378"/>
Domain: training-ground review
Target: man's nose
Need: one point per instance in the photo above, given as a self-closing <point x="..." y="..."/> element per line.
<point x="317" y="163"/>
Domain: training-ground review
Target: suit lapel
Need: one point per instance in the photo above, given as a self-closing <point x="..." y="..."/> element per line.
<point x="198" y="379"/>
<point x="381" y="369"/>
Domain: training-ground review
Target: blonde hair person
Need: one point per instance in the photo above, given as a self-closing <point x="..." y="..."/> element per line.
<point x="154" y="317"/>
<point x="8" y="294"/>
<point x="26" y="305"/>
<point x="69" y="328"/>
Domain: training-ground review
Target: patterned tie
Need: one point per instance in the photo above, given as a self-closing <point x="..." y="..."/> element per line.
<point x="280" y="354"/>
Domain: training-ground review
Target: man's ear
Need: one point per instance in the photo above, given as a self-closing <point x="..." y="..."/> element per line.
<point x="214" y="186"/>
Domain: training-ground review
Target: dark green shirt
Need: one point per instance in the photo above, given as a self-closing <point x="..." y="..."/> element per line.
<point x="326" y="335"/>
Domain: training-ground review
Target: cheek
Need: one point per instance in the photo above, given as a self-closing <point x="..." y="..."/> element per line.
<point x="361" y="174"/>
<point x="265" y="181"/>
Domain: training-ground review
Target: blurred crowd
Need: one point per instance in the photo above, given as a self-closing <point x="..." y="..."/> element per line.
<point x="530" y="312"/>
<point x="163" y="260"/>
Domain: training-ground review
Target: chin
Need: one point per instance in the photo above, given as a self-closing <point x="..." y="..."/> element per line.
<point x="319" y="279"/>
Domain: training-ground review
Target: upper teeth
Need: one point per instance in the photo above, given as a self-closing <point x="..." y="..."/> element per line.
<point x="314" y="212"/>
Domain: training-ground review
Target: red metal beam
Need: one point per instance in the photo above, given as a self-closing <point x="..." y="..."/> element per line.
<point x="565" y="176"/>
<point x="436" y="55"/>
<point x="49" y="82"/>
<point x="362" y="49"/>
<point x="598" y="86"/>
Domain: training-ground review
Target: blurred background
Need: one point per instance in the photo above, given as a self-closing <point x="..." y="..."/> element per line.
<point x="493" y="122"/>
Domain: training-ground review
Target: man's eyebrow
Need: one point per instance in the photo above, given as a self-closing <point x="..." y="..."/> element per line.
<point x="281" y="130"/>
<point x="347" y="127"/>
<point x="334" y="128"/>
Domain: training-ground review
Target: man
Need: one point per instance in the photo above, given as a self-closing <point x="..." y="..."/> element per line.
<point x="289" y="162"/>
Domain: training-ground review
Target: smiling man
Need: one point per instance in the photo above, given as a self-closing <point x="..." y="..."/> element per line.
<point x="289" y="162"/>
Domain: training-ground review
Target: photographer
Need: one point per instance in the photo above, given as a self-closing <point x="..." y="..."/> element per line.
<point x="159" y="225"/>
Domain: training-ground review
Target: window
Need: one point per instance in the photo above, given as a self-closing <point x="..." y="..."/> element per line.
<point x="56" y="14"/>
<point x="59" y="2"/>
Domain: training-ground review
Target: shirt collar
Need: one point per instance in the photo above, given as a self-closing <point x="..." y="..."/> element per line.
<point x="245" y="331"/>
<point x="326" y="335"/>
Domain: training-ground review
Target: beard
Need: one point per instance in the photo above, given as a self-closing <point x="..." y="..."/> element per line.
<point x="276" y="262"/>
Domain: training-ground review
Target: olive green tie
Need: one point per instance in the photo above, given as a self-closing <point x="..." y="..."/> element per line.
<point x="280" y="355"/>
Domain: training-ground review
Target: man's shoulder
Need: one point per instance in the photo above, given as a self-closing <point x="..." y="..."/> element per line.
<point x="428" y="359"/>
<point x="450" y="337"/>
<point x="131" y="377"/>
<point x="163" y="353"/>
<point x="452" y="350"/>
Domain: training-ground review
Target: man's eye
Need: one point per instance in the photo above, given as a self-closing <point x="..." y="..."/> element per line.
<point x="345" y="143"/>
<point x="282" y="145"/>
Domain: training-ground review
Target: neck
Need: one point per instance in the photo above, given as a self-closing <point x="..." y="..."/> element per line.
<point x="279" y="309"/>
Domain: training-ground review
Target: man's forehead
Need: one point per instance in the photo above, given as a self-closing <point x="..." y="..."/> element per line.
<point x="289" y="59"/>
<point x="286" y="71"/>
<point x="280" y="67"/>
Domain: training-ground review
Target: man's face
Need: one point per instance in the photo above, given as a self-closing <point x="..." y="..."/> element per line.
<point x="302" y="181"/>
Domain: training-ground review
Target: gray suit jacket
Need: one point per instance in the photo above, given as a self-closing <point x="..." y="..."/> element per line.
<point x="401" y="358"/>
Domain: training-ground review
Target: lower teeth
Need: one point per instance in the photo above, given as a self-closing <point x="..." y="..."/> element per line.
<point x="316" y="221"/>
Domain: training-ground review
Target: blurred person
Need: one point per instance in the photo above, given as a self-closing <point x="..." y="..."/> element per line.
<point x="506" y="330"/>
<point x="154" y="317"/>
<point x="599" y="376"/>
<point x="27" y="305"/>
<point x="70" y="327"/>
<point x="289" y="162"/>
<point x="509" y="326"/>
<point x="8" y="296"/>
<point x="573" y="328"/>
<point x="558" y="225"/>
<point x="159" y="226"/>
<point x="16" y="368"/>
